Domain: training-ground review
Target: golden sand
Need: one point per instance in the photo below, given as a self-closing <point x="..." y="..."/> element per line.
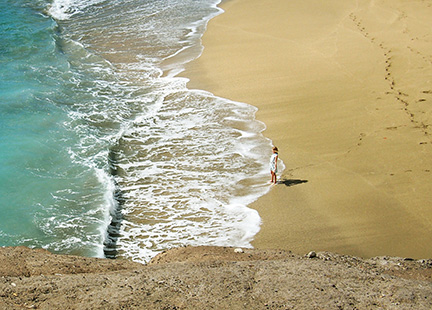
<point x="345" y="90"/>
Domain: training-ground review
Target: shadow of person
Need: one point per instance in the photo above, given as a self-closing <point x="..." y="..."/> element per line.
<point x="291" y="182"/>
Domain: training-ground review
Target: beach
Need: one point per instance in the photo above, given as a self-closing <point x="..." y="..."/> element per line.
<point x="344" y="89"/>
<point x="159" y="170"/>
<point x="105" y="150"/>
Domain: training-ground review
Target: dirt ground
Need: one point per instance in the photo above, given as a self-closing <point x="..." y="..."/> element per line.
<point x="213" y="278"/>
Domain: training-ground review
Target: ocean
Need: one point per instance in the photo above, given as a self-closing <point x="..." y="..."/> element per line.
<point x="104" y="151"/>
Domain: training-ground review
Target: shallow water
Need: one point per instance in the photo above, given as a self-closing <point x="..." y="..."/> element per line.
<point x="104" y="150"/>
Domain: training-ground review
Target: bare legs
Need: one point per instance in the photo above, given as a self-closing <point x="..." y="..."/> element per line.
<point x="273" y="177"/>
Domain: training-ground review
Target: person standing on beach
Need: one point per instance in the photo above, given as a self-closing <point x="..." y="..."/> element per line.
<point x="273" y="164"/>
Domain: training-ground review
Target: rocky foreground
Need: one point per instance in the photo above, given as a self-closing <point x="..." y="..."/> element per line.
<point x="213" y="278"/>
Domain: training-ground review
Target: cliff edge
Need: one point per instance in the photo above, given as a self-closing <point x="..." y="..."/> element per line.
<point x="213" y="278"/>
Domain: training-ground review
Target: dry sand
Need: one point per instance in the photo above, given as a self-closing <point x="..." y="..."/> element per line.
<point x="345" y="90"/>
<point x="212" y="278"/>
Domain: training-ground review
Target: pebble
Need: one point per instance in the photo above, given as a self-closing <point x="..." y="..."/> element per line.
<point x="311" y="254"/>
<point x="238" y="250"/>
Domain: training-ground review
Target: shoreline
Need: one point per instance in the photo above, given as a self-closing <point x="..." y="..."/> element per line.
<point x="342" y="91"/>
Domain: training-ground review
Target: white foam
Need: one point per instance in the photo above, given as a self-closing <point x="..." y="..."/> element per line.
<point x="65" y="9"/>
<point x="182" y="156"/>
<point x="180" y="192"/>
<point x="107" y="208"/>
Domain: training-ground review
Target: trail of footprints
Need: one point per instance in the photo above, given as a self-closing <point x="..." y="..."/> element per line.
<point x="400" y="96"/>
<point x="426" y="58"/>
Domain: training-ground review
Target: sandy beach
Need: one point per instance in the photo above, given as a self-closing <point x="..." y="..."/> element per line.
<point x="345" y="91"/>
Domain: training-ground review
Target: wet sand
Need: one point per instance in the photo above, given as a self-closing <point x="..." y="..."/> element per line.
<point x="345" y="91"/>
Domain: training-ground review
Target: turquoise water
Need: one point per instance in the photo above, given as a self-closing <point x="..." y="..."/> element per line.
<point x="43" y="191"/>
<point x="103" y="149"/>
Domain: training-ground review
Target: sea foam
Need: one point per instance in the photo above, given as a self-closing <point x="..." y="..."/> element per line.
<point x="154" y="164"/>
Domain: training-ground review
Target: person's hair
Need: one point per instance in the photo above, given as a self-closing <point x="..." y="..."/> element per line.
<point x="275" y="149"/>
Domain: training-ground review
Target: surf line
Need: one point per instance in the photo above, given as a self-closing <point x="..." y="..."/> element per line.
<point x="113" y="229"/>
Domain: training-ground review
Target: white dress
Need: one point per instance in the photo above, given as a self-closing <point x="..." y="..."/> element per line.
<point x="273" y="161"/>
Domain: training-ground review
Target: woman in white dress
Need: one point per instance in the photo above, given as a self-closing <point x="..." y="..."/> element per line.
<point x="273" y="164"/>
